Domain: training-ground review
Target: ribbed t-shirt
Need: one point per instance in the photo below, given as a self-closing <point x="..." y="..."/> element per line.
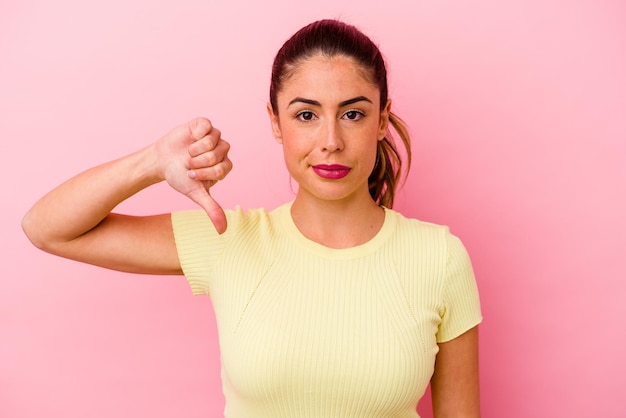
<point x="311" y="331"/>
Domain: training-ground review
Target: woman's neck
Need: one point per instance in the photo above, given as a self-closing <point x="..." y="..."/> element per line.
<point x="337" y="224"/>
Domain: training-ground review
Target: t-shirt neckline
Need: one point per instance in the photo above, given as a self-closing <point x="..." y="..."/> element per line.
<point x="286" y="221"/>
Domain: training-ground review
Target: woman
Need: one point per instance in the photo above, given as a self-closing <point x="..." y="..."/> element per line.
<point x="332" y="305"/>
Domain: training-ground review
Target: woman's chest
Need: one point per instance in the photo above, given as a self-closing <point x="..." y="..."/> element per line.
<point x="332" y="330"/>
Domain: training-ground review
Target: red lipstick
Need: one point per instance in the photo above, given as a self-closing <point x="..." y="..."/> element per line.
<point x="331" y="171"/>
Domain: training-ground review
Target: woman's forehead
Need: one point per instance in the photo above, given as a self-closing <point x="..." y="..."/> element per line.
<point x="324" y="75"/>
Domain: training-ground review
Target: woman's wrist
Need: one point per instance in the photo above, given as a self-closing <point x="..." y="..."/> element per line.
<point x="145" y="167"/>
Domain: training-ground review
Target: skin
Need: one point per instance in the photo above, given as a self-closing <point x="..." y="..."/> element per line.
<point x="455" y="385"/>
<point x="328" y="113"/>
<point x="333" y="212"/>
<point x="75" y="221"/>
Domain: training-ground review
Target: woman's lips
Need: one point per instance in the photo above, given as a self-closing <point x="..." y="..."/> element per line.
<point x="331" y="171"/>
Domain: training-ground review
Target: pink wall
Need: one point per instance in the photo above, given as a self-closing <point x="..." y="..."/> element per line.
<point x="518" y="112"/>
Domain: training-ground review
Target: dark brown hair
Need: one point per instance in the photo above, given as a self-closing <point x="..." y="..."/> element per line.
<point x="332" y="38"/>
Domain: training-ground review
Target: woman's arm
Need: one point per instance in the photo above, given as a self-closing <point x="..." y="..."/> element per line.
<point x="454" y="383"/>
<point x="75" y="221"/>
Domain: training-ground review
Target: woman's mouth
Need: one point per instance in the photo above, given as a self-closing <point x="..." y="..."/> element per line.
<point x="331" y="171"/>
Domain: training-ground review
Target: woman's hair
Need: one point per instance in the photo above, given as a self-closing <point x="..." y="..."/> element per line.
<point x="331" y="38"/>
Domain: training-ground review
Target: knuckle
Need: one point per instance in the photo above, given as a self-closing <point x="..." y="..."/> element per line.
<point x="199" y="127"/>
<point x="204" y="122"/>
<point x="210" y="160"/>
<point x="201" y="146"/>
<point x="206" y="143"/>
<point x="220" y="172"/>
<point x="192" y="149"/>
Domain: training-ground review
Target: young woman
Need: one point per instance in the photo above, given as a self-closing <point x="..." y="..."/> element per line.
<point x="332" y="305"/>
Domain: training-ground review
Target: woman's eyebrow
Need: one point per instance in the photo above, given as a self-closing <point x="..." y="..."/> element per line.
<point x="355" y="100"/>
<point x="303" y="100"/>
<point x="341" y="104"/>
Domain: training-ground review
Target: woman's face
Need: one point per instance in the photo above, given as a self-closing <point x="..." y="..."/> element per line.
<point x="329" y="122"/>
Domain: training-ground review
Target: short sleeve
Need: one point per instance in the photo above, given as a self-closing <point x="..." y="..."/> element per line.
<point x="461" y="304"/>
<point x="198" y="245"/>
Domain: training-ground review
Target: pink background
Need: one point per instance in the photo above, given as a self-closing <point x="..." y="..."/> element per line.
<point x="518" y="115"/>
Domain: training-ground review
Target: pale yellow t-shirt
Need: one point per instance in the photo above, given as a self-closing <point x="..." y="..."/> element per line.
<point x="310" y="331"/>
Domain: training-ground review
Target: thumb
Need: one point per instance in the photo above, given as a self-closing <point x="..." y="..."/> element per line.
<point x="211" y="207"/>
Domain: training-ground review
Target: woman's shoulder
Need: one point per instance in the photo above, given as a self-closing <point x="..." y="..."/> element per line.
<point x="411" y="224"/>
<point x="413" y="232"/>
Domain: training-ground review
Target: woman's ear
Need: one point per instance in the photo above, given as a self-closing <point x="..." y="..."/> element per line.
<point x="275" y="124"/>
<point x="384" y="121"/>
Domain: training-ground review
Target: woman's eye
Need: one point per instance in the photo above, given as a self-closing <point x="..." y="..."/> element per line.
<point x="305" y="116"/>
<point x="353" y="115"/>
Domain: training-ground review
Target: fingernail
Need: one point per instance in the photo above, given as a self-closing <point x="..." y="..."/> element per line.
<point x="191" y="174"/>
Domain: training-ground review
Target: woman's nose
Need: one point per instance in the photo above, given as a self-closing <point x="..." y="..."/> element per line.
<point x="332" y="140"/>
